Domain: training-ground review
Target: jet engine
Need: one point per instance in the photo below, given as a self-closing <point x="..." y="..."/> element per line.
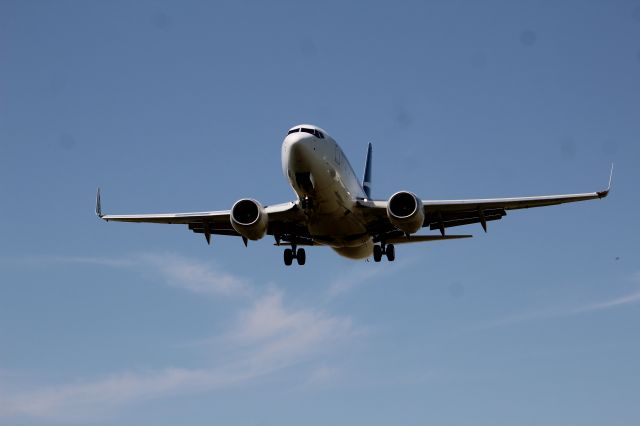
<point x="249" y="219"/>
<point x="405" y="212"/>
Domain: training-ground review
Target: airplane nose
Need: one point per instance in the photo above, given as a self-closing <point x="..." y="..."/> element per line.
<point x="297" y="144"/>
<point x="296" y="151"/>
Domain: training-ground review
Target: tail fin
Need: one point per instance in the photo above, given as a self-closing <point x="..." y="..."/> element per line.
<point x="366" y="182"/>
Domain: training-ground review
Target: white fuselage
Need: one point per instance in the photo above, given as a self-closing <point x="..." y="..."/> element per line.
<point x="328" y="189"/>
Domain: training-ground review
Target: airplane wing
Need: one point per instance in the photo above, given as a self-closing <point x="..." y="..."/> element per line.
<point x="442" y="214"/>
<point x="284" y="219"/>
<point x="448" y="213"/>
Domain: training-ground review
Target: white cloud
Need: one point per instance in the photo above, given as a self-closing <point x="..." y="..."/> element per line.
<point x="267" y="336"/>
<point x="268" y="318"/>
<point x="198" y="277"/>
<point x="282" y="334"/>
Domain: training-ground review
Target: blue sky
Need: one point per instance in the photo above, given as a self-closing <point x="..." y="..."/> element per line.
<point x="182" y="106"/>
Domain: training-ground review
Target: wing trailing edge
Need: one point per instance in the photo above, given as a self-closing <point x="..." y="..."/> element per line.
<point x="423" y="238"/>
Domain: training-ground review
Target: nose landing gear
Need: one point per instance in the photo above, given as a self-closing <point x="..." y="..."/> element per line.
<point x="384" y="249"/>
<point x="294" y="253"/>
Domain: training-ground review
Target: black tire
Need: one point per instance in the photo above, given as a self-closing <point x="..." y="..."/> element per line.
<point x="391" y="252"/>
<point x="288" y="256"/>
<point x="301" y="256"/>
<point x="377" y="253"/>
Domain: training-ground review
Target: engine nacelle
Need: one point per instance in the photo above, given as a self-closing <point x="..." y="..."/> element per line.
<point x="405" y="211"/>
<point x="249" y="219"/>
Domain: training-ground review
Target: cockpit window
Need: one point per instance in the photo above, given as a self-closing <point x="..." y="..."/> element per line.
<point x="317" y="133"/>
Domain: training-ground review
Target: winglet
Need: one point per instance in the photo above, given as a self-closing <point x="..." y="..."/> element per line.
<point x="98" y="205"/>
<point x="602" y="194"/>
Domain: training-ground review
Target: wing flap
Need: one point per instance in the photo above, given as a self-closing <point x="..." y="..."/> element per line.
<point x="470" y="218"/>
<point x="423" y="238"/>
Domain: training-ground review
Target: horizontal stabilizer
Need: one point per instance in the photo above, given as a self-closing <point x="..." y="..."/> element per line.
<point x="423" y="238"/>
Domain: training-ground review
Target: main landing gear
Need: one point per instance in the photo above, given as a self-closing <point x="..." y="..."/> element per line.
<point x="384" y="249"/>
<point x="294" y="253"/>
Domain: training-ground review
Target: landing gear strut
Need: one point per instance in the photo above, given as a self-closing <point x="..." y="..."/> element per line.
<point x="384" y="249"/>
<point x="294" y="253"/>
<point x="306" y="203"/>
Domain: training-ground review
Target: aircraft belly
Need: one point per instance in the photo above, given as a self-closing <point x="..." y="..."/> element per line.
<point x="337" y="230"/>
<point x="357" y="252"/>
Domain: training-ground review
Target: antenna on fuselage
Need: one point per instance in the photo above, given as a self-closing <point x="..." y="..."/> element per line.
<point x="366" y="181"/>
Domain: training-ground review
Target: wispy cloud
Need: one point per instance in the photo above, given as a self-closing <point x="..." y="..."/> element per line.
<point x="322" y="376"/>
<point x="174" y="270"/>
<point x="361" y="275"/>
<point x="266" y="336"/>
<point x="288" y="334"/>
<point x="627" y="299"/>
<point x="194" y="276"/>
<point x="550" y="313"/>
<point x="85" y="400"/>
<point x="268" y="318"/>
<point x="111" y="262"/>
<point x="351" y="280"/>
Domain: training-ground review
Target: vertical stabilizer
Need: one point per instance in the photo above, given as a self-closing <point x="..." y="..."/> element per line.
<point x="366" y="182"/>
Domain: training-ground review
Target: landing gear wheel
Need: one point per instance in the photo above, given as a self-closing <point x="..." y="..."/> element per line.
<point x="288" y="256"/>
<point x="301" y="256"/>
<point x="390" y="252"/>
<point x="377" y="253"/>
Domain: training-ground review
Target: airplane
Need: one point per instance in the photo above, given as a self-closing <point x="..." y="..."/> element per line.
<point x="333" y="208"/>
